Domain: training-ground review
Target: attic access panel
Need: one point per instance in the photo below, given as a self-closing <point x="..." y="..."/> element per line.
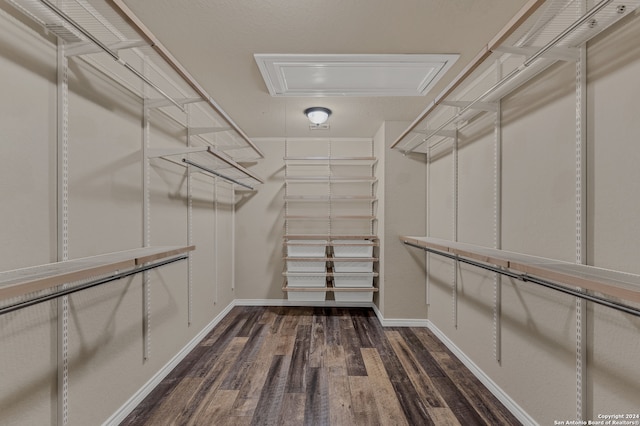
<point x="352" y="75"/>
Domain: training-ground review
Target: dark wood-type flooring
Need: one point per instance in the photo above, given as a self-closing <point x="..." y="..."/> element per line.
<point x="318" y="366"/>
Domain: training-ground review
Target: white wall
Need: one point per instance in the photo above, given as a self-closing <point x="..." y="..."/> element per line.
<point x="28" y="231"/>
<point x="105" y="214"/>
<point x="260" y="229"/>
<point x="403" y="194"/>
<point x="613" y="229"/>
<point x="537" y="365"/>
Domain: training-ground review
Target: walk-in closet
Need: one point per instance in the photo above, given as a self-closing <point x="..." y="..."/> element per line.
<point x="289" y="213"/>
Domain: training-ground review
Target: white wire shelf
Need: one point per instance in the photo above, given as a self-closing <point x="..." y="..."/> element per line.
<point x="209" y="160"/>
<point x="108" y="36"/>
<point x="355" y="243"/>
<point x="330" y="288"/>
<point x="329" y="236"/>
<point x="542" y="34"/>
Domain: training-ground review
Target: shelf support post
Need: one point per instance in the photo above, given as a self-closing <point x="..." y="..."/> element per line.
<point x="497" y="223"/>
<point x="454" y="297"/>
<point x="428" y="233"/>
<point x="63" y="231"/>
<point x="215" y="240"/>
<point x="146" y="226"/>
<point x="581" y="246"/>
<point x="189" y="221"/>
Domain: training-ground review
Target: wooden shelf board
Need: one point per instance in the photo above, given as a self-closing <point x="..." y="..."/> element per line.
<point x="332" y="259"/>
<point x="333" y="198"/>
<point x="19" y="282"/>
<point x="325" y="179"/>
<point x="611" y="283"/>
<point x="311" y="217"/>
<point x="333" y="289"/>
<point x="330" y="274"/>
<point x="330" y="236"/>
<point x="333" y="244"/>
<point x="156" y="253"/>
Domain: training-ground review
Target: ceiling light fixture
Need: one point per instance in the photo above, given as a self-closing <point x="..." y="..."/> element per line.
<point x="317" y="115"/>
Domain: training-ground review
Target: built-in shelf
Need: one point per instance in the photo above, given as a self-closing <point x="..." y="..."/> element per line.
<point x="340" y="191"/>
<point x="330" y="288"/>
<point x="355" y="243"/>
<point x="343" y="161"/>
<point x="332" y="179"/>
<point x="332" y="198"/>
<point x="329" y="237"/>
<point x="332" y="259"/>
<point x="327" y="217"/>
<point x="329" y="274"/>
<point x="20" y="282"/>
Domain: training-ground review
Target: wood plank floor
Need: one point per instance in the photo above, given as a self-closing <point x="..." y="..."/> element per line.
<point x="318" y="366"/>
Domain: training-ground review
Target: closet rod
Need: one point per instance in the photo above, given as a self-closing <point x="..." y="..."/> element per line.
<point x="233" y="164"/>
<point x="206" y="169"/>
<point x="90" y="284"/>
<point x="586" y="17"/>
<point x="108" y="51"/>
<point x="528" y="278"/>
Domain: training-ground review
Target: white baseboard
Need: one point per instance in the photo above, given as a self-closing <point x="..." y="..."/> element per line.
<point x="399" y="322"/>
<point x="145" y="390"/>
<point x="396" y="322"/>
<point x="505" y="399"/>
<point x="285" y="302"/>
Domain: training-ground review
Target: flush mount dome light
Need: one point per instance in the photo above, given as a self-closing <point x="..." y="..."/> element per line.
<point x="317" y="115"/>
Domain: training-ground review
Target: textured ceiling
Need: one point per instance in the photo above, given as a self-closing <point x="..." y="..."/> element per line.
<point x="216" y="39"/>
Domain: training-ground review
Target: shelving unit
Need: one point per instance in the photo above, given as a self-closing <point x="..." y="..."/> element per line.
<point x="330" y="204"/>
